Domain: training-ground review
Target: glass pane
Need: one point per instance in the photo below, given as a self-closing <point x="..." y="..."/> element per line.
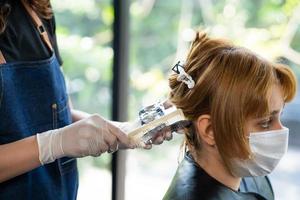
<point x="160" y="34"/>
<point x="84" y="38"/>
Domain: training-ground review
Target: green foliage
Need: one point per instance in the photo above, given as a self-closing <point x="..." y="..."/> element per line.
<point x="157" y="29"/>
<point x="156" y="33"/>
<point x="84" y="37"/>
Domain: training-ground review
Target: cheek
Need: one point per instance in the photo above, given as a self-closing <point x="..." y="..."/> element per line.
<point x="250" y="127"/>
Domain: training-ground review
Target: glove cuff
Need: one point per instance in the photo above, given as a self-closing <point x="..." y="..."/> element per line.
<point x="49" y="144"/>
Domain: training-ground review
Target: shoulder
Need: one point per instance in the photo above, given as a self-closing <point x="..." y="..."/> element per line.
<point x="191" y="182"/>
<point x="257" y="185"/>
<point x="21" y="36"/>
<point x="18" y="19"/>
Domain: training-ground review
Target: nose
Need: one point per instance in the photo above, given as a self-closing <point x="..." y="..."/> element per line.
<point x="278" y="125"/>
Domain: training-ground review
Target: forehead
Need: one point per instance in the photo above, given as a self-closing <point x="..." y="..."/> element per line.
<point x="276" y="101"/>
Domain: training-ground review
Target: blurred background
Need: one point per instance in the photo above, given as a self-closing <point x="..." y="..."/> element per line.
<point x="160" y="33"/>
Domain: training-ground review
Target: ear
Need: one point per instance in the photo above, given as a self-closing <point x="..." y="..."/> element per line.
<point x="204" y="129"/>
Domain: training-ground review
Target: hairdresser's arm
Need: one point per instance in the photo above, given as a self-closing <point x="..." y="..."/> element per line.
<point x="90" y="136"/>
<point x="78" y="115"/>
<point x="15" y="161"/>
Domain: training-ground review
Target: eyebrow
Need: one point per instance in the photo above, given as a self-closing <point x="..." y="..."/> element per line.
<point x="274" y="112"/>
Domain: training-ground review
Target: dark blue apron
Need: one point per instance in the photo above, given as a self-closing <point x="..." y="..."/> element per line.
<point x="33" y="99"/>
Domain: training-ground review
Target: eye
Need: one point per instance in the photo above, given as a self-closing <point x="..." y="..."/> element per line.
<point x="265" y="124"/>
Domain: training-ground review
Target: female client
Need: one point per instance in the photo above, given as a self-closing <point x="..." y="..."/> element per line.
<point x="234" y="99"/>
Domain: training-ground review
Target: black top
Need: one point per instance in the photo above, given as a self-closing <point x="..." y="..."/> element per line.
<point x="191" y="182"/>
<point x="21" y="40"/>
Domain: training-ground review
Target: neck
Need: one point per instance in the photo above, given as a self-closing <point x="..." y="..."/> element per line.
<point x="211" y="163"/>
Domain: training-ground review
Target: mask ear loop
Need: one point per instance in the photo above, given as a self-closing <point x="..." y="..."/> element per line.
<point x="182" y="75"/>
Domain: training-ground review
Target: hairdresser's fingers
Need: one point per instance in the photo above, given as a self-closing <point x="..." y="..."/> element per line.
<point x="147" y="146"/>
<point x="121" y="136"/>
<point x="158" y="140"/>
<point x="167" y="104"/>
<point x="168" y="136"/>
<point x="180" y="131"/>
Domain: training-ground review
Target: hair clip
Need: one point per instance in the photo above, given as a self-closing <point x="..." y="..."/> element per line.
<point x="182" y="75"/>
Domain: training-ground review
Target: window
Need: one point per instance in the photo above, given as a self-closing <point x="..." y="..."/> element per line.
<point x="160" y="34"/>
<point x="84" y="38"/>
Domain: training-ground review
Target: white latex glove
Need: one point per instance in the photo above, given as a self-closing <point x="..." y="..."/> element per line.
<point x="126" y="127"/>
<point x="91" y="136"/>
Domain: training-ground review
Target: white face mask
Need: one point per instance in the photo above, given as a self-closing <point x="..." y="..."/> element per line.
<point x="267" y="148"/>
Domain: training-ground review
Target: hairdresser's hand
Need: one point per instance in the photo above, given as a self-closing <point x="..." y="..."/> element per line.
<point x="91" y="136"/>
<point x="126" y="126"/>
<point x="166" y="135"/>
<point x="159" y="139"/>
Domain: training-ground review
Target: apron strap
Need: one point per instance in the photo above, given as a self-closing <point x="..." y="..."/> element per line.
<point x="39" y="24"/>
<point x="2" y="59"/>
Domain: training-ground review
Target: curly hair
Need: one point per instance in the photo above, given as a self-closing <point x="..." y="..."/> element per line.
<point x="42" y="8"/>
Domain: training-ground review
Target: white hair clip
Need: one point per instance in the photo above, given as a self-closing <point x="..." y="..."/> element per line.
<point x="182" y="75"/>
